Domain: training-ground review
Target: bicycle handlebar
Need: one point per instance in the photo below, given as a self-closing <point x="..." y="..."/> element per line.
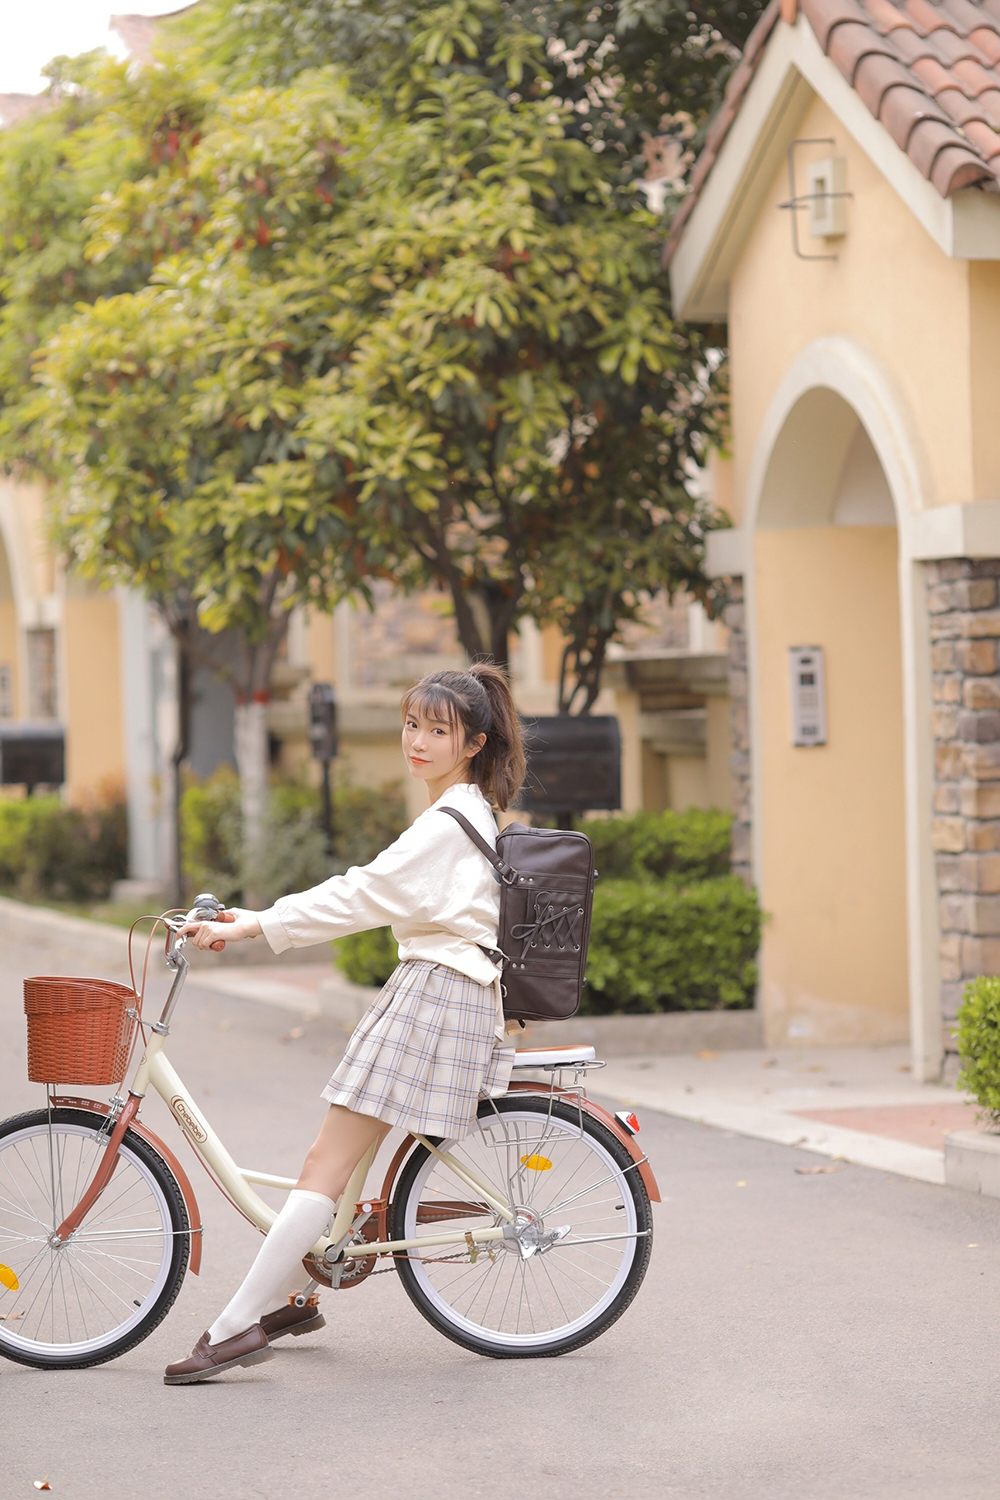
<point x="206" y="909"/>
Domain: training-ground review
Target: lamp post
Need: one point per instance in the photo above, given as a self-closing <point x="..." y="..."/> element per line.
<point x="323" y="744"/>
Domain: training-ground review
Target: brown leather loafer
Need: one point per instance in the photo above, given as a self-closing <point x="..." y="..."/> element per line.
<point x="293" y="1320"/>
<point x="206" y="1359"/>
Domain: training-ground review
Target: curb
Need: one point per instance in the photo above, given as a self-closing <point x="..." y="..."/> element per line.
<point x="876" y="1151"/>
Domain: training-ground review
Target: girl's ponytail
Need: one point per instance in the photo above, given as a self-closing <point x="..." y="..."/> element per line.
<point x="500" y="766"/>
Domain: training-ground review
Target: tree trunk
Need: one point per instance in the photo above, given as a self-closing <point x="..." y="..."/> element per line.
<point x="252" y="763"/>
<point x="182" y="749"/>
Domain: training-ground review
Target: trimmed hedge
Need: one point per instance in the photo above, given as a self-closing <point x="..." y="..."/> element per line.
<point x="692" y="845"/>
<point x="662" y="946"/>
<point x="674" y="931"/>
<point x="65" y="853"/>
<point x="978" y="1037"/>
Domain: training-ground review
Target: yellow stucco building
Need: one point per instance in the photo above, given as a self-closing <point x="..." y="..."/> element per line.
<point x="845" y="225"/>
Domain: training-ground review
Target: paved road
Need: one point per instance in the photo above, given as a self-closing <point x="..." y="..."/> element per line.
<point x="831" y="1336"/>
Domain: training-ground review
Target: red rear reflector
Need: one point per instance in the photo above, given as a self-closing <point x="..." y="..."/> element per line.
<point x="628" y="1119"/>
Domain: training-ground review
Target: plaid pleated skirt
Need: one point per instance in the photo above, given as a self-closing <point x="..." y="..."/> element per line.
<point x="424" y="1053"/>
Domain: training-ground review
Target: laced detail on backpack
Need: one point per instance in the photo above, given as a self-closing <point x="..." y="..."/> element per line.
<point x="553" y="923"/>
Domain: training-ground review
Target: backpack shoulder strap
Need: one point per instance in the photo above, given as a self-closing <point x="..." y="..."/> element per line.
<point x="504" y="870"/>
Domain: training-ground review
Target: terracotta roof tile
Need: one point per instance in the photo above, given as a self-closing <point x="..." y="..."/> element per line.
<point x="973" y="77"/>
<point x="964" y="16"/>
<point x="911" y="47"/>
<point x="836" y="13"/>
<point x="956" y="168"/>
<point x="961" y="109"/>
<point x="902" y="109"/>
<point x="875" y="76"/>
<point x="987" y="42"/>
<point x="887" y="17"/>
<point x="927" y="17"/>
<point x="929" y="70"/>
<point x="989" y="105"/>
<point x="985" y="140"/>
<point x="933" y="75"/>
<point x="850" y="43"/>
<point x="952" y="48"/>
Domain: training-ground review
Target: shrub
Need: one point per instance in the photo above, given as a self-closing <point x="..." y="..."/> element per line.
<point x="692" y="845"/>
<point x="65" y="853"/>
<point x="367" y="957"/>
<point x="656" y="947"/>
<point x="292" y="854"/>
<point x="978" y="1036"/>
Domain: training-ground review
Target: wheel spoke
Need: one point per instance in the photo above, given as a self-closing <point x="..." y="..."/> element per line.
<point x="77" y="1300"/>
<point x="504" y="1299"/>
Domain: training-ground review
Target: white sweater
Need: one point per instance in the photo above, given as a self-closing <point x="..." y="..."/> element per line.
<point x="433" y="887"/>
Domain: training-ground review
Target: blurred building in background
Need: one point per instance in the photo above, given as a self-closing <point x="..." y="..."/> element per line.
<point x="844" y="223"/>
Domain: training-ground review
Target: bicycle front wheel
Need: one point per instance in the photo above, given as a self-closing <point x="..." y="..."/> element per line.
<point x="582" y="1240"/>
<point x="107" y="1287"/>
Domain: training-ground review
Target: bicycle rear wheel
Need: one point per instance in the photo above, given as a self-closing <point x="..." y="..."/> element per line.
<point x="108" y="1286"/>
<point x="580" y="1201"/>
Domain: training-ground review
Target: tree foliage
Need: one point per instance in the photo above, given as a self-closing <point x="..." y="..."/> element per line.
<point x="632" y="71"/>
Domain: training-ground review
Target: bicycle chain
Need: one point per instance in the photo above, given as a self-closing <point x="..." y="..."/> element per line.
<point x="438" y="1260"/>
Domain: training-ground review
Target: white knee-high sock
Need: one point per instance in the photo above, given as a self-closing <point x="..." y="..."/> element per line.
<point x="293" y="1233"/>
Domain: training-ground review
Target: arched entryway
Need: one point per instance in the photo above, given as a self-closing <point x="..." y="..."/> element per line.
<point x="831" y="834"/>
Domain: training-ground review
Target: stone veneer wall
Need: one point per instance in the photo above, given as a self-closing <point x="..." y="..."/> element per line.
<point x="734" y="618"/>
<point x="964" y="606"/>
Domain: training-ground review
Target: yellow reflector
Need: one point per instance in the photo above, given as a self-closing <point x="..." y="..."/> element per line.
<point x="8" y="1279"/>
<point x="536" y="1163"/>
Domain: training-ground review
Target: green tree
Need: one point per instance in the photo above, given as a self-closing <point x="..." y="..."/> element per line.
<point x="171" y="411"/>
<point x="632" y="70"/>
<point x="522" y="341"/>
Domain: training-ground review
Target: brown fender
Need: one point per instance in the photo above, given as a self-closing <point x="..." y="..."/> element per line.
<point x="187" y="1191"/>
<point x="589" y="1107"/>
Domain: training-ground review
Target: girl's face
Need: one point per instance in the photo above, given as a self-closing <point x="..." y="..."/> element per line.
<point x="435" y="751"/>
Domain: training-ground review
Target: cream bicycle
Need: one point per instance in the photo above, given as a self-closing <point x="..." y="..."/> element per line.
<point x="527" y="1238"/>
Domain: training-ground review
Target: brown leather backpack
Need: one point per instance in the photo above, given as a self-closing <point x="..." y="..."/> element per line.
<point x="546" y="896"/>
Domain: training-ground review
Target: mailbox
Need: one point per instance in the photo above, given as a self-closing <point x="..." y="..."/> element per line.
<point x="574" y="764"/>
<point x="32" y="755"/>
<point x="323" y="722"/>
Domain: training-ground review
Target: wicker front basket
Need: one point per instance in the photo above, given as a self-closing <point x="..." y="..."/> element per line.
<point x="79" y="1030"/>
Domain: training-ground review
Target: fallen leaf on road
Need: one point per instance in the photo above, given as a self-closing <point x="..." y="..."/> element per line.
<point x="811" y="1171"/>
<point x="772" y="1062"/>
<point x="42" y="1484"/>
<point x="293" y="1035"/>
<point x="741" y="1184"/>
<point x="973" y="1247"/>
<point x="706" y="1053"/>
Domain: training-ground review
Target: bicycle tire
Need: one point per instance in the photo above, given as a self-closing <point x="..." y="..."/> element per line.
<point x="412" y="1271"/>
<point x="150" y="1168"/>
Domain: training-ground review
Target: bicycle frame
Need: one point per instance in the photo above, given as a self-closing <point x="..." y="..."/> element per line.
<point x="156" y="1072"/>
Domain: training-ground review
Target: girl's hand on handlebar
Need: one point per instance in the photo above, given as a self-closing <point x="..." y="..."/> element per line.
<point x="232" y="927"/>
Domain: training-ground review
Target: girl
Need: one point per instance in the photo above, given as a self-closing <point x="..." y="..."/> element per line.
<point x="432" y="1043"/>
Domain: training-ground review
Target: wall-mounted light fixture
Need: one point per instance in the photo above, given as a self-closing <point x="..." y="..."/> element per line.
<point x="826" y="199"/>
